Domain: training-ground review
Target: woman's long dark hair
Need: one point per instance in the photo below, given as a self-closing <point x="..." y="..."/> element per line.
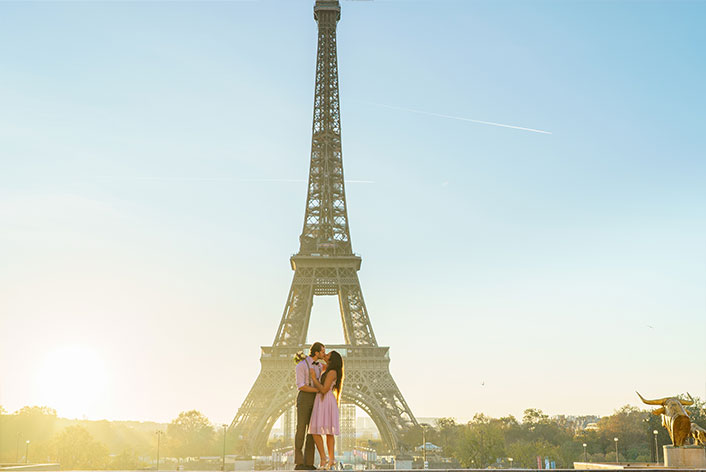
<point x="335" y="363"/>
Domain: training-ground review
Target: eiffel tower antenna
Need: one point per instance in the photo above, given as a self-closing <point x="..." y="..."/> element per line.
<point x="325" y="265"/>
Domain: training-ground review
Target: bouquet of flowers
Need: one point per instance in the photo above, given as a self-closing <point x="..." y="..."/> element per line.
<point x="299" y="356"/>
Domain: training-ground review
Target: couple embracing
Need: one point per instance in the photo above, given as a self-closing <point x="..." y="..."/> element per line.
<point x="319" y="379"/>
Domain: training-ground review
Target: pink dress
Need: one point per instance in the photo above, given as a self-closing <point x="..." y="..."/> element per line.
<point x="324" y="416"/>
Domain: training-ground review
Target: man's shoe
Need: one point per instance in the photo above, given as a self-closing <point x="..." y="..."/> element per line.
<point x="311" y="467"/>
<point x="301" y="467"/>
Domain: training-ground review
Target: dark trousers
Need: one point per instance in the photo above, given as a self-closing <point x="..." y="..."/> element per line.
<point x="305" y="404"/>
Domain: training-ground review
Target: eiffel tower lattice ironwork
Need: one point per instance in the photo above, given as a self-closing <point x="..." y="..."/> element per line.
<point x="325" y="265"/>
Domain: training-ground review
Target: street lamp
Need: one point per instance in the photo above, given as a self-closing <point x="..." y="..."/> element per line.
<point x="159" y="436"/>
<point x="27" y="453"/>
<point x="223" y="466"/>
<point x="585" y="454"/>
<point x="510" y="459"/>
<point x="655" y="432"/>
<point x="616" y="449"/>
<point x="424" y="441"/>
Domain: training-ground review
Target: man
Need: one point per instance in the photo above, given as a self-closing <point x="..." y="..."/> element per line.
<point x="305" y="403"/>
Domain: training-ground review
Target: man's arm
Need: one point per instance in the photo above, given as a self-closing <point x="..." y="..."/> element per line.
<point x="302" y="374"/>
<point x="315" y="380"/>
<point x="327" y="385"/>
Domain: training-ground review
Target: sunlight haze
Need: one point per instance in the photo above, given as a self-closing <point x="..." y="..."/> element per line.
<point x="153" y="167"/>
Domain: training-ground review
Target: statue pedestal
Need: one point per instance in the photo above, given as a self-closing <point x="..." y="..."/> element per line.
<point x="692" y="457"/>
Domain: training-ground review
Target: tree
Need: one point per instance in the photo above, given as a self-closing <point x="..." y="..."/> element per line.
<point x="190" y="435"/>
<point x="533" y="417"/>
<point x="697" y="411"/>
<point x="36" y="423"/>
<point x="481" y="442"/>
<point x="411" y="438"/>
<point x="30" y="411"/>
<point x="76" y="449"/>
<point x="568" y="453"/>
<point x="633" y="429"/>
<point x="524" y="453"/>
<point x="126" y="460"/>
<point x="445" y="434"/>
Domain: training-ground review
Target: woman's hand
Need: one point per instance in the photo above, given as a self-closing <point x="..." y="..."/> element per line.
<point x="315" y="379"/>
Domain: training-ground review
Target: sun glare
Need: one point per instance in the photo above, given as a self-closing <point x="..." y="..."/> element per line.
<point x="72" y="380"/>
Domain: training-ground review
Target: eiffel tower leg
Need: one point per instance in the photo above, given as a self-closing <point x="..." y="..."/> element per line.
<point x="369" y="385"/>
<point x="273" y="392"/>
<point x="356" y="324"/>
<point x="297" y="312"/>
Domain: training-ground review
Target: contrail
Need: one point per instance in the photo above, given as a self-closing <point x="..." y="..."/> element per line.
<point x="460" y="118"/>
<point x="218" y="179"/>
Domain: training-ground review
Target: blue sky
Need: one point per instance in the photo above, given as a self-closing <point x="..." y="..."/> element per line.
<point x="153" y="158"/>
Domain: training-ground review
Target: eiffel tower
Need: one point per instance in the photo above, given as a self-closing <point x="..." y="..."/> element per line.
<point x="325" y="265"/>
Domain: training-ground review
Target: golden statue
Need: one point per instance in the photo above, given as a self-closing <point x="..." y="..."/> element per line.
<point x="674" y="418"/>
<point x="699" y="434"/>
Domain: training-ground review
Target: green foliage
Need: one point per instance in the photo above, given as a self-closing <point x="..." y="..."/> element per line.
<point x="633" y="429"/>
<point x="485" y="441"/>
<point x="697" y="411"/>
<point x="34" y="423"/>
<point x="76" y="449"/>
<point x="411" y="439"/>
<point x="126" y="460"/>
<point x="533" y="417"/>
<point x="41" y="427"/>
<point x="36" y="411"/>
<point x="481" y="442"/>
<point x="81" y="444"/>
<point x="524" y="452"/>
<point x="190" y="434"/>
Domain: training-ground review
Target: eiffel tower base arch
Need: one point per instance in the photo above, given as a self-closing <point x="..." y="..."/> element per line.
<point x="368" y="385"/>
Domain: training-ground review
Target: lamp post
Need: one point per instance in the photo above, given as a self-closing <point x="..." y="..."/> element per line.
<point x="616" y="449"/>
<point x="27" y="453"/>
<point x="655" y="432"/>
<point x="510" y="459"/>
<point x="223" y="465"/>
<point x="424" y="445"/>
<point x="159" y="436"/>
<point x="585" y="453"/>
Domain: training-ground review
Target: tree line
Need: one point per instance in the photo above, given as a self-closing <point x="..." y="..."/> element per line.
<point x="117" y="445"/>
<point x="486" y="441"/>
<point x="479" y="443"/>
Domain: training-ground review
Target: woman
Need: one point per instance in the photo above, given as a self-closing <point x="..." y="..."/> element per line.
<point x="324" y="416"/>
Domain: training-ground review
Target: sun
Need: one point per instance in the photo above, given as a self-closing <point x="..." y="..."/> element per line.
<point x="73" y="380"/>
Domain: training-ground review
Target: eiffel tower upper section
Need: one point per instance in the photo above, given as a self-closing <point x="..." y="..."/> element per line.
<point x="325" y="263"/>
<point x="326" y="219"/>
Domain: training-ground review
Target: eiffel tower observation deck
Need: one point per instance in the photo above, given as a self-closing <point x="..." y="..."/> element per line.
<point x="325" y="265"/>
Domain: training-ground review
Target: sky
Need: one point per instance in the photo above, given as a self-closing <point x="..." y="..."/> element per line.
<point x="153" y="165"/>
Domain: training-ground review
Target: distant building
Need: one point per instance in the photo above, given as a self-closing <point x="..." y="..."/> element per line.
<point x="429" y="447"/>
<point x="289" y="424"/>
<point x="346" y="441"/>
<point x="366" y="428"/>
<point x="430" y="420"/>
